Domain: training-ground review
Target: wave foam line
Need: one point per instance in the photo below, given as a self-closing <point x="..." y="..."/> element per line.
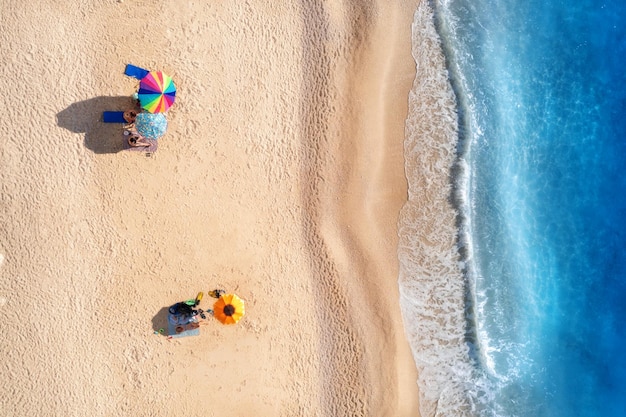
<point x="432" y="285"/>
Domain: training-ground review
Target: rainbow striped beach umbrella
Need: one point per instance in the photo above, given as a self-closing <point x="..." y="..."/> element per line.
<point x="157" y="92"/>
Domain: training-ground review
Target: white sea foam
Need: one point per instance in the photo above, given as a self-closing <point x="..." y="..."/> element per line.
<point x="432" y="283"/>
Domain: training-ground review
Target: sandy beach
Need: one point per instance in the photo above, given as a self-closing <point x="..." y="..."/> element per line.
<point x="280" y="179"/>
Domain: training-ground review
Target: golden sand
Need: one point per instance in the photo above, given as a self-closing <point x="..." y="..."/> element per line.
<point x="280" y="179"/>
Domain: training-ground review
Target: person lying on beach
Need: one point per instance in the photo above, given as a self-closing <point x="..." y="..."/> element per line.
<point x="135" y="140"/>
<point x="130" y="116"/>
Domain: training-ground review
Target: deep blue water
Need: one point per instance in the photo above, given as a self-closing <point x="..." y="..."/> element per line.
<point x="541" y="87"/>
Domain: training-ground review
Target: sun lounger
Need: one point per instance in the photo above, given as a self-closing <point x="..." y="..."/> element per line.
<point x="135" y="72"/>
<point x="113" y="117"/>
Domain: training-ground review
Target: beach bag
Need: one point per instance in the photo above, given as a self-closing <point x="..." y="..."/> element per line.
<point x="181" y="309"/>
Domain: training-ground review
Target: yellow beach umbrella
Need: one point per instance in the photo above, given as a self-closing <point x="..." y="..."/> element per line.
<point x="228" y="309"/>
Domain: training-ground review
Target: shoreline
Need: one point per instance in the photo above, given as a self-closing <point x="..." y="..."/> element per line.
<point x="431" y="267"/>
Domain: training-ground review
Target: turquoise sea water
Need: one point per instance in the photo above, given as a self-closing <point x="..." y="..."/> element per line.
<point x="541" y="95"/>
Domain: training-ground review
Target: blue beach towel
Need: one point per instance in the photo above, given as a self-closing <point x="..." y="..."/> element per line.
<point x="113" y="117"/>
<point x="135" y="72"/>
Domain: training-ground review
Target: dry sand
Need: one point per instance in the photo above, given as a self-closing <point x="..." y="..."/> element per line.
<point x="280" y="178"/>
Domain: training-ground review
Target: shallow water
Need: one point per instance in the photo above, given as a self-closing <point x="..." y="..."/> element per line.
<point x="538" y="326"/>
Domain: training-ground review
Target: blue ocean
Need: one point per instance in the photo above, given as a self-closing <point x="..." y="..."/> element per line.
<point x="539" y="326"/>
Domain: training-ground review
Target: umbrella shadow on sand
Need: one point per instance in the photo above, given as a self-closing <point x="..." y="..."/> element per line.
<point x="159" y="321"/>
<point x="86" y="117"/>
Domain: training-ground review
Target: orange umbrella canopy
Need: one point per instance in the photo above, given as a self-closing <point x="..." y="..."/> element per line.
<point x="229" y="309"/>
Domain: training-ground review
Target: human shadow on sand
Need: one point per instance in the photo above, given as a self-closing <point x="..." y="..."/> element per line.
<point x="160" y="320"/>
<point x="86" y="117"/>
